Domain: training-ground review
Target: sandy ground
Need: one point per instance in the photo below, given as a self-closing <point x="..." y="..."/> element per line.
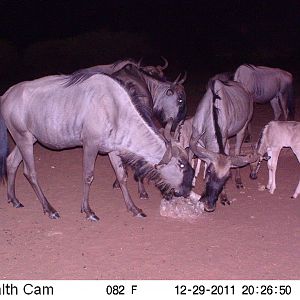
<point x="256" y="237"/>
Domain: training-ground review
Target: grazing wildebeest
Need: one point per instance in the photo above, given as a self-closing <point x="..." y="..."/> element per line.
<point x="269" y="85"/>
<point x="224" y="112"/>
<point x="61" y="112"/>
<point x="166" y="100"/>
<point x="274" y="136"/>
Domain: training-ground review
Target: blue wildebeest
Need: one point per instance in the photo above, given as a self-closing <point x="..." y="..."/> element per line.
<point x="224" y="112"/>
<point x="274" y="136"/>
<point x="166" y="100"/>
<point x="61" y="112"/>
<point x="269" y="85"/>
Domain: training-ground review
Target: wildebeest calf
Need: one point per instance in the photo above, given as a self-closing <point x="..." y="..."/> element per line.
<point x="275" y="136"/>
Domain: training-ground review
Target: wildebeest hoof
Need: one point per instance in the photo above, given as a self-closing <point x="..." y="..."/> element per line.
<point x="116" y="185"/>
<point x="144" y="195"/>
<point x="92" y="218"/>
<point x="239" y="185"/>
<point x="225" y="201"/>
<point x="54" y="215"/>
<point x="16" y="203"/>
<point x="141" y="215"/>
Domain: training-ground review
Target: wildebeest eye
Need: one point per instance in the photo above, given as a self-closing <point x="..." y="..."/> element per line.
<point x="180" y="101"/>
<point x="181" y="165"/>
<point x="169" y="92"/>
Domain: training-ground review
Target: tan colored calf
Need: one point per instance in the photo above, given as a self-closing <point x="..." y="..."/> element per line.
<point x="275" y="136"/>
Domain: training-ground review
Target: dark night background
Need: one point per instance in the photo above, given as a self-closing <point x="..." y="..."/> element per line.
<point x="39" y="38"/>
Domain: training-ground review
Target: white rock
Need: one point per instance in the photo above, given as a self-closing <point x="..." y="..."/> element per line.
<point x="182" y="208"/>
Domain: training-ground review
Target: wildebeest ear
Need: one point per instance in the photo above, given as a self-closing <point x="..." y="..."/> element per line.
<point x="243" y="160"/>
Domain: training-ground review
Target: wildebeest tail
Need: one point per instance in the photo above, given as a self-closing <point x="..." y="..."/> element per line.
<point x="3" y="148"/>
<point x="291" y="102"/>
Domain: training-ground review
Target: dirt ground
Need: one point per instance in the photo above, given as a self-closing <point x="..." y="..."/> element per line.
<point x="256" y="237"/>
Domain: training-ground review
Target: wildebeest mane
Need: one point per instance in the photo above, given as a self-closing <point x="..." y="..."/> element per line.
<point x="142" y="169"/>
<point x="250" y="66"/>
<point x="79" y="76"/>
<point x="84" y="74"/>
<point x="129" y="60"/>
<point x="218" y="133"/>
<point x="145" y="111"/>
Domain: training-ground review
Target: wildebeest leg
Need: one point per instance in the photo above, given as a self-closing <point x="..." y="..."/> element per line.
<point x="116" y="184"/>
<point x="276" y="108"/>
<point x="192" y="163"/>
<point x="297" y="191"/>
<point x="25" y="145"/>
<point x="283" y="103"/>
<point x="248" y="136"/>
<point x="122" y="178"/>
<point x="272" y="166"/>
<point x="89" y="156"/>
<point x="196" y="168"/>
<point x="238" y="145"/>
<point x="13" y="161"/>
<point x="141" y="189"/>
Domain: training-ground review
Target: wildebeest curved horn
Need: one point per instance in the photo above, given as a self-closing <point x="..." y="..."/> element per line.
<point x="167" y="130"/>
<point x="242" y="160"/>
<point x="201" y="152"/>
<point x="167" y="156"/>
<point x="165" y="65"/>
<point x="139" y="64"/>
<point x="183" y="79"/>
<point x="177" y="79"/>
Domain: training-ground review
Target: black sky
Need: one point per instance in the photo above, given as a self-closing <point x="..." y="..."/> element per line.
<point x="178" y="28"/>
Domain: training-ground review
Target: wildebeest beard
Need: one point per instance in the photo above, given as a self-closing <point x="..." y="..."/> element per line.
<point x="142" y="169"/>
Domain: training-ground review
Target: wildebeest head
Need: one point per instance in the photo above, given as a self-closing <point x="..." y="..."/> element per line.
<point x="156" y="71"/>
<point x="254" y="167"/>
<point x="176" y="171"/>
<point x="174" y="168"/>
<point x="218" y="172"/>
<point x="172" y="101"/>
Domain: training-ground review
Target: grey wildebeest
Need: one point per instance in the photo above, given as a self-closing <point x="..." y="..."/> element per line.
<point x="274" y="136"/>
<point x="166" y="100"/>
<point x="269" y="85"/>
<point x="224" y="112"/>
<point x="60" y="112"/>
